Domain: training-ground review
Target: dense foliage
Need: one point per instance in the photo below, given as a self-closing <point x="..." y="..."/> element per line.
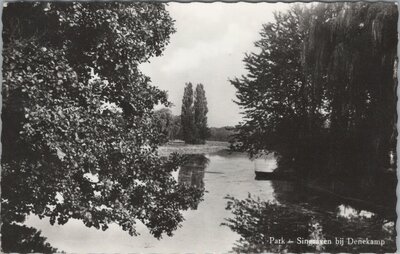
<point x="194" y="115"/>
<point x="23" y="239"/>
<point x="351" y="57"/>
<point x="321" y="90"/>
<point x="273" y="91"/>
<point x="78" y="137"/>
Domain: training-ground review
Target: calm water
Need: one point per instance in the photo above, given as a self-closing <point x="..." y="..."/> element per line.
<point x="220" y="175"/>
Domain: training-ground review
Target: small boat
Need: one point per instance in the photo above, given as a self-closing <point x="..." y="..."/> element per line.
<point x="275" y="175"/>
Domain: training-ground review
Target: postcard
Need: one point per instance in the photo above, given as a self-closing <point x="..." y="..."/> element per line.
<point x="199" y="127"/>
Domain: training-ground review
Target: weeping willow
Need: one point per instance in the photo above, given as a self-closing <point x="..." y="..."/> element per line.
<point x="351" y="57"/>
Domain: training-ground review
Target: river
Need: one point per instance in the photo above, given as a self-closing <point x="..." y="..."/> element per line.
<point x="222" y="174"/>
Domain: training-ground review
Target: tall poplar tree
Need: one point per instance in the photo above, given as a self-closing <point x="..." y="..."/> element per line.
<point x="187" y="115"/>
<point x="200" y="114"/>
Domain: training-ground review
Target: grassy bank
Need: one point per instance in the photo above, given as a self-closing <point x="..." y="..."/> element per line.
<point x="182" y="148"/>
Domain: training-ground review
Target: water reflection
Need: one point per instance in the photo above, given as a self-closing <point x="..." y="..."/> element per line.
<point x="125" y="198"/>
<point x="230" y="173"/>
<point x="296" y="213"/>
<point x="266" y="226"/>
<point x="349" y="212"/>
<point x="192" y="171"/>
<point x="296" y="193"/>
<point x="300" y="219"/>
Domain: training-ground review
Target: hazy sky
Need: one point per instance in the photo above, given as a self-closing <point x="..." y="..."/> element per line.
<point x="208" y="48"/>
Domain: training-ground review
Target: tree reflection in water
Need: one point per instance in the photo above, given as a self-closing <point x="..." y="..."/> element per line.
<point x="256" y="221"/>
<point x="191" y="173"/>
<point x="23" y="239"/>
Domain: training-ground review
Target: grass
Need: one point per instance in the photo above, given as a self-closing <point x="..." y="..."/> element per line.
<point x="180" y="147"/>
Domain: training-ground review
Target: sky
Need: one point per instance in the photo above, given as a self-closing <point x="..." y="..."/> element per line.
<point x="208" y="48"/>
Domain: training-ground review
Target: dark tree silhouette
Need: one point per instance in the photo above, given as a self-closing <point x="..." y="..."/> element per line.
<point x="351" y="55"/>
<point x="23" y="239"/>
<point x="275" y="93"/>
<point x="321" y="90"/>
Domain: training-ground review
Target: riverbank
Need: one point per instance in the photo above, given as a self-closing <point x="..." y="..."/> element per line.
<point x="180" y="147"/>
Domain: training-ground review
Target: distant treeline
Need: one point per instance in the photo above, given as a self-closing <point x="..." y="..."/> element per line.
<point x="221" y="133"/>
<point x="170" y="127"/>
<point x="167" y="124"/>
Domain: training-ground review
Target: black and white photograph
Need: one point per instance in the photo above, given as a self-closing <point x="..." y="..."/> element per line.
<point x="199" y="127"/>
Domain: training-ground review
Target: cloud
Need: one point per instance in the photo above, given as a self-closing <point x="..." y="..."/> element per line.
<point x="208" y="48"/>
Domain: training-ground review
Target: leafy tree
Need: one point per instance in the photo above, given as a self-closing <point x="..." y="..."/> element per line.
<point x="200" y="114"/>
<point x="164" y="121"/>
<point x="321" y="90"/>
<point x="176" y="131"/>
<point x="187" y="115"/>
<point x="275" y="93"/>
<point x="168" y="124"/>
<point x="78" y="144"/>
